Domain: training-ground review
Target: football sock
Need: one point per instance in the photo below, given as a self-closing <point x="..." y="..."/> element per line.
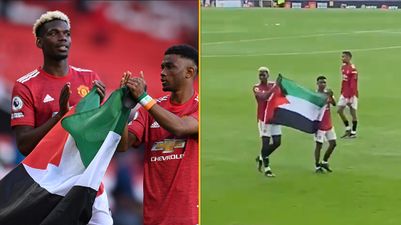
<point x="265" y="151"/>
<point x="354" y="124"/>
<point x="266" y="162"/>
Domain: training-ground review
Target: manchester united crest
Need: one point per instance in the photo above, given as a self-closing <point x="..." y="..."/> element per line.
<point x="83" y="90"/>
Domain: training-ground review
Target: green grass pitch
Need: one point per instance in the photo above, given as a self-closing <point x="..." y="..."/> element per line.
<point x="365" y="187"/>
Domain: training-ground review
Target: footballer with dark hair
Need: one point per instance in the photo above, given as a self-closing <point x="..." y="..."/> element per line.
<point x="168" y="126"/>
<point x="349" y="94"/>
<point x="326" y="130"/>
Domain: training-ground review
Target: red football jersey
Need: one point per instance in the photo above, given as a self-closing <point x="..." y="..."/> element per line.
<point x="349" y="85"/>
<point x="262" y="102"/>
<point x="326" y="124"/>
<point x="35" y="97"/>
<point x="171" y="170"/>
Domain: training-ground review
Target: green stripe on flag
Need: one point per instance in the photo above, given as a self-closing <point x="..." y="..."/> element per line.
<point x="289" y="87"/>
<point x="89" y="128"/>
<point x="90" y="101"/>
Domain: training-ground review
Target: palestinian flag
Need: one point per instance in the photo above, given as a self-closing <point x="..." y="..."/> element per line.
<point x="295" y="106"/>
<point x="58" y="182"/>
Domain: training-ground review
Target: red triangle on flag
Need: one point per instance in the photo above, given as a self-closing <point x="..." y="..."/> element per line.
<point x="50" y="149"/>
<point x="277" y="98"/>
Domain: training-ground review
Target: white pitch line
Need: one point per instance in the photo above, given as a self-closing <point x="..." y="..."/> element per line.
<point x="392" y="32"/>
<point x="303" y="53"/>
<point x="296" y="37"/>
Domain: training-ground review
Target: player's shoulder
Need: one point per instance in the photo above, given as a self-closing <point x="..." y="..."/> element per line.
<point x="256" y="87"/>
<point x="29" y="77"/>
<point x="81" y="71"/>
<point x="166" y="99"/>
<point x="270" y="83"/>
<point x="196" y="97"/>
<point x="163" y="99"/>
<point x="353" y="66"/>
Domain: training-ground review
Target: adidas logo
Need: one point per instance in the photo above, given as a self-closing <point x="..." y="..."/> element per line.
<point x="48" y="98"/>
<point x="155" y="125"/>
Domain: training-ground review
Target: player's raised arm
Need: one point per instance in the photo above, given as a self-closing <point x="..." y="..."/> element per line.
<point x="180" y="127"/>
<point x="331" y="100"/>
<point x="184" y="126"/>
<point x="124" y="142"/>
<point x="27" y="137"/>
<point x="127" y="138"/>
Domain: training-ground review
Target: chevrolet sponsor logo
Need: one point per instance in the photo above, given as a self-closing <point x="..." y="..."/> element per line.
<point x="168" y="145"/>
<point x="166" y="157"/>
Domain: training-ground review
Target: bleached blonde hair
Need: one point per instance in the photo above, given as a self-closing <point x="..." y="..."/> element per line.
<point x="263" y="68"/>
<point x="50" y="16"/>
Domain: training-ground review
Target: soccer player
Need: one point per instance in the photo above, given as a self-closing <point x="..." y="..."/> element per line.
<point x="326" y="129"/>
<point x="168" y="127"/>
<point x="42" y="97"/>
<point x="262" y="92"/>
<point x="349" y="94"/>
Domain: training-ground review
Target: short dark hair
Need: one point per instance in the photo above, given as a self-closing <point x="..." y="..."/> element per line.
<point x="348" y="53"/>
<point x="321" y="78"/>
<point x="185" y="51"/>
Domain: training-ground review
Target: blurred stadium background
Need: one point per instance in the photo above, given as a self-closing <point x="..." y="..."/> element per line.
<point x="300" y="43"/>
<point x="108" y="37"/>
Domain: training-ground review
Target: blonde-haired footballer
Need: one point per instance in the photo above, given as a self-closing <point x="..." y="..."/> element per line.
<point x="43" y="96"/>
<point x="262" y="92"/>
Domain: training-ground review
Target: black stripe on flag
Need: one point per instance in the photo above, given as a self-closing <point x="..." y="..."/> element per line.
<point x="294" y="120"/>
<point x="25" y="202"/>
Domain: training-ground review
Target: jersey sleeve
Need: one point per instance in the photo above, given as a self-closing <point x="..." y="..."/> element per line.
<point x="259" y="94"/>
<point x="354" y="82"/>
<point x="255" y="89"/>
<point x="22" y="106"/>
<point x="137" y="125"/>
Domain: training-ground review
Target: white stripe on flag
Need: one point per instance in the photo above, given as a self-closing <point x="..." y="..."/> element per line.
<point x="71" y="172"/>
<point x="59" y="180"/>
<point x="303" y="107"/>
<point x="93" y="175"/>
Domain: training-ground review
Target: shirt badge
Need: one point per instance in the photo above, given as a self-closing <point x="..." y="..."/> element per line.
<point x="83" y="90"/>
